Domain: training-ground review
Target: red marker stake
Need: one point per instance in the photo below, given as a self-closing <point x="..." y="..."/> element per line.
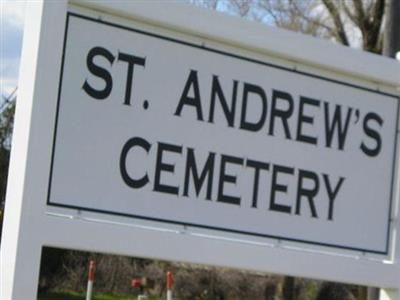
<point x="170" y="282"/>
<point x="92" y="271"/>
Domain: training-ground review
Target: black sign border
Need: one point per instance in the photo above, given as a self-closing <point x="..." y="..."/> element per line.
<point x="205" y="48"/>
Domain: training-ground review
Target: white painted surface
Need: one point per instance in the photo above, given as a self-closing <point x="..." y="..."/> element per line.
<point x="23" y="230"/>
<point x="31" y="224"/>
<point x="89" y="290"/>
<point x="388" y="295"/>
<point x="276" y="41"/>
<point x="91" y="134"/>
<point x="169" y="295"/>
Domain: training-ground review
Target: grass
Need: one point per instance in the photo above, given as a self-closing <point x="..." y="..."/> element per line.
<point x="77" y="296"/>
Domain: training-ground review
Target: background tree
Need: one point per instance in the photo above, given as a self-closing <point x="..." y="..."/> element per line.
<point x="7" y="109"/>
<point x="365" y="24"/>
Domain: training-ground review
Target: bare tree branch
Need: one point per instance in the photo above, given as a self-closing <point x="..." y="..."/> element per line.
<point x="327" y="18"/>
<point x="377" y="14"/>
<point x="349" y="13"/>
<point x="375" y="23"/>
<point x="266" y="5"/>
<point x="335" y="15"/>
<point x="242" y="7"/>
<point x="309" y="19"/>
<point x="359" y="11"/>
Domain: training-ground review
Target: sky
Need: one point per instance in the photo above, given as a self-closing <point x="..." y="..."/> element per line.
<point x="12" y="14"/>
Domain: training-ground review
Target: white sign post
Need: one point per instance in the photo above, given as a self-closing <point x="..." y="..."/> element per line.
<point x="141" y="126"/>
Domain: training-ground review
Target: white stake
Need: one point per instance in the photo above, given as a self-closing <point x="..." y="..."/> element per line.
<point x="92" y="270"/>
<point x="170" y="282"/>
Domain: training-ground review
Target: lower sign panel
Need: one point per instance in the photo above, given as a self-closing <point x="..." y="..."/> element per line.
<point x="154" y="127"/>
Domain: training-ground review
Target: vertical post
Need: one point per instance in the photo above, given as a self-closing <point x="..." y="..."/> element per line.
<point x="362" y="293"/>
<point x="92" y="271"/>
<point x="170" y="282"/>
<point x="23" y="229"/>
<point x="372" y="293"/>
<point x="142" y="295"/>
<point x="394" y="292"/>
<point x="389" y="294"/>
<point x="289" y="284"/>
<point x="391" y="40"/>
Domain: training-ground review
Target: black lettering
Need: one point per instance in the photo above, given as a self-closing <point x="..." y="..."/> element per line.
<point x="99" y="72"/>
<point x="309" y="193"/>
<point x="372" y="133"/>
<point x="332" y="193"/>
<point x="195" y="101"/>
<point x="301" y="137"/>
<point x="216" y="91"/>
<point x="276" y="187"/>
<point x="161" y="166"/>
<point x="191" y="168"/>
<point x="132" y="61"/>
<point x="258" y="166"/>
<point x="223" y="177"/>
<point x="283" y="114"/>
<point x="255" y="89"/>
<point x="133" y="142"/>
<point x="330" y="127"/>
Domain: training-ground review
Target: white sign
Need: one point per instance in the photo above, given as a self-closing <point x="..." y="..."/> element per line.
<point x="163" y="131"/>
<point x="160" y="128"/>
